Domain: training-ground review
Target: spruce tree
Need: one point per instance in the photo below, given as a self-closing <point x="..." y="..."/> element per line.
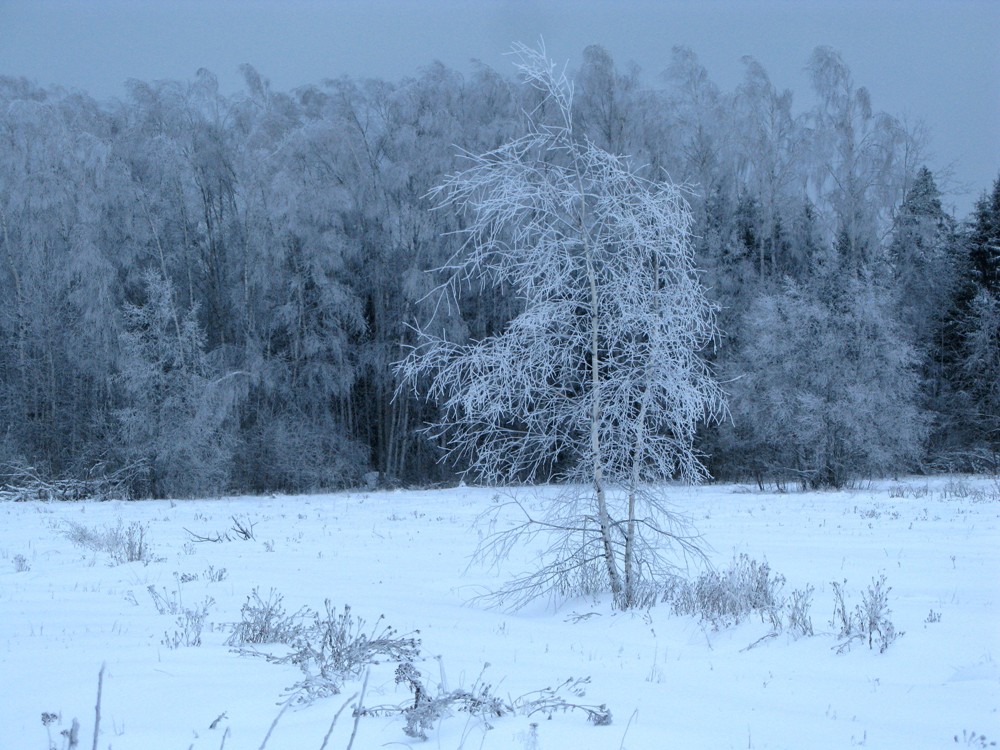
<point x="984" y="245"/>
<point x="978" y="326"/>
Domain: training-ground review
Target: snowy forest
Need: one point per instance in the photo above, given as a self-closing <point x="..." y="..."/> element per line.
<point x="204" y="293"/>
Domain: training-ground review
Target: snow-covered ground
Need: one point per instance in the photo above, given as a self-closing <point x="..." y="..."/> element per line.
<point x="669" y="681"/>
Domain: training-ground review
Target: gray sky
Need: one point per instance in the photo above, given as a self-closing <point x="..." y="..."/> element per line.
<point x="933" y="60"/>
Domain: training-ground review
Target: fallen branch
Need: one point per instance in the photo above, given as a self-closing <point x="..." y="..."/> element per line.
<point x="760" y="640"/>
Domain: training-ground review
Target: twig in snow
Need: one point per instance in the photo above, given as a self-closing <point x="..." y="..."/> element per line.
<point x="97" y="708"/>
<point x="275" y="723"/>
<point x="358" y="711"/>
<point x="334" y="722"/>
<point x="763" y="638"/>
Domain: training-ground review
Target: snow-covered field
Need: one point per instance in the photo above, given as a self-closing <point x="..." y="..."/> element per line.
<point x="669" y="681"/>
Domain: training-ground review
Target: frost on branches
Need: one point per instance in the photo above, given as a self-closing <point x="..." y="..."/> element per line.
<point x="598" y="382"/>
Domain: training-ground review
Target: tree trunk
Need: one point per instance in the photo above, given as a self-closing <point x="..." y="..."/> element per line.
<point x="638" y="451"/>
<point x="604" y="519"/>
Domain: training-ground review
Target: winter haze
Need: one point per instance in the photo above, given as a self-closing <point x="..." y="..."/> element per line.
<point x="931" y="60"/>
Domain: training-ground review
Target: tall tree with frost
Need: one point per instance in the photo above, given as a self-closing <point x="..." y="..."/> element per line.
<point x="984" y="242"/>
<point x="980" y="325"/>
<point x="824" y="386"/>
<point x="178" y="423"/>
<point x="862" y="160"/>
<point x="925" y="257"/>
<point x="598" y="381"/>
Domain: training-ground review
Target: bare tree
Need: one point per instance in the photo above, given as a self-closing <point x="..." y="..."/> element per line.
<point x="598" y="381"/>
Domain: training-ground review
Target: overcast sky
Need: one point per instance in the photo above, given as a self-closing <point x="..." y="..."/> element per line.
<point x="935" y="60"/>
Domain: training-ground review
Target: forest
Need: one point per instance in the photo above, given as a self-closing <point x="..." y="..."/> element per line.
<point x="204" y="293"/>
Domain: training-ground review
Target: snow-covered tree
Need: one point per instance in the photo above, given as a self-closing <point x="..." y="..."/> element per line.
<point x="823" y="386"/>
<point x="985" y="240"/>
<point x="296" y="228"/>
<point x="178" y="418"/>
<point x="982" y="368"/>
<point x="57" y="277"/>
<point x="598" y="381"/>
<point x="768" y="157"/>
<point x="923" y="258"/>
<point x="979" y="328"/>
<point x="862" y="160"/>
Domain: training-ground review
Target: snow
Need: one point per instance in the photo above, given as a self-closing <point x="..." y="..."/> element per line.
<point x="669" y="681"/>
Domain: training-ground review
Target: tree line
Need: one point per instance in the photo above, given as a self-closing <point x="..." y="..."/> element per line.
<point x="207" y="293"/>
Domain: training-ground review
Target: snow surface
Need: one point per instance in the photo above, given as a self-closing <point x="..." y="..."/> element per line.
<point x="670" y="681"/>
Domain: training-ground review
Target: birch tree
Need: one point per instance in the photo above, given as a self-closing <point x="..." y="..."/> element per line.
<point x="598" y="381"/>
<point x="178" y="422"/>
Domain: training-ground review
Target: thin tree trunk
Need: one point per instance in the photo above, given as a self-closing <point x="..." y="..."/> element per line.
<point x="166" y="279"/>
<point x="604" y="519"/>
<point x="638" y="450"/>
<point x="20" y="318"/>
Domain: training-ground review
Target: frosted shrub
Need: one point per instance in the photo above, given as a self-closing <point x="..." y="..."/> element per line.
<point x="550" y="701"/>
<point x="166" y="603"/>
<point x="190" y="625"/>
<point x="873" y="615"/>
<point x="190" y="620"/>
<point x="335" y="647"/>
<point x="123" y="544"/>
<point x="728" y="597"/>
<point x="725" y="598"/>
<point x="83" y="536"/>
<point x="797" y="611"/>
<point x="902" y="491"/>
<point x="962" y="490"/>
<point x="128" y="544"/>
<point x="171" y="602"/>
<point x="215" y="575"/>
<point x="957" y="489"/>
<point x="265" y="621"/>
<point x="482" y="702"/>
<point x="869" y="620"/>
<point x="428" y="709"/>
